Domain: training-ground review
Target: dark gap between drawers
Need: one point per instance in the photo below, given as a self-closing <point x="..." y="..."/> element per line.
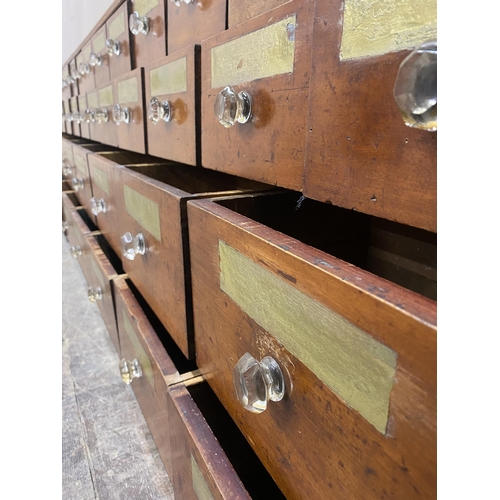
<point x="402" y="254"/>
<point x="110" y="254"/>
<point x="247" y="465"/>
<point x="85" y="217"/>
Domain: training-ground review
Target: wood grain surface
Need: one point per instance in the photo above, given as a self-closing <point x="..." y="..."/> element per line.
<point x="240" y="11"/>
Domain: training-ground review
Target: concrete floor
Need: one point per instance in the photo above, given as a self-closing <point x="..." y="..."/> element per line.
<point x="108" y="452"/>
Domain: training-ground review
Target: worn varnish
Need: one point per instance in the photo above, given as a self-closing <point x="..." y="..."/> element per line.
<point x="312" y="442"/>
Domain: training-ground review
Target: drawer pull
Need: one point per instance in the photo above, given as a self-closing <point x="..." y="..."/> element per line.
<point x="101" y="115"/>
<point x="67" y="168"/>
<point x="75" y="74"/>
<point x="77" y="117"/>
<point x="133" y="245"/>
<point x="94" y="293"/>
<point x="98" y="206"/>
<point x="77" y="183"/>
<point x="121" y="114"/>
<point x="95" y="59"/>
<point x="65" y="226"/>
<point x="159" y="110"/>
<point x="89" y="116"/>
<point x="415" y="89"/>
<point x="257" y="382"/>
<point x="138" y="24"/>
<point x="130" y="370"/>
<point x="178" y="2"/>
<point x="65" y="84"/>
<point x="231" y="107"/>
<point x="69" y="117"/>
<point x="76" y="251"/>
<point x="112" y="47"/>
<point x="84" y="69"/>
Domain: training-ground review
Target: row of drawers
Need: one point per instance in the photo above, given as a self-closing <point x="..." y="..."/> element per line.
<point x="291" y="310"/>
<point x="274" y="100"/>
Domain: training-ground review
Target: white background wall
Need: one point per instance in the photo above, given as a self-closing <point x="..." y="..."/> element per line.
<point x="78" y="18"/>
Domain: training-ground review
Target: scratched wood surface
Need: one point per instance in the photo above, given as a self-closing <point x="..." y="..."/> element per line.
<point x="107" y="450"/>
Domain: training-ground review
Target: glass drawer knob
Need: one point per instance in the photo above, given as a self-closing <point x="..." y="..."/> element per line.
<point x="415" y="89"/>
<point x="159" y="110"/>
<point x="138" y="24"/>
<point x="84" y="69"/>
<point x="230" y="107"/>
<point x="257" y="382"/>
<point x="95" y="59"/>
<point x="94" y="293"/>
<point x="133" y="245"/>
<point x="75" y="74"/>
<point x="101" y="115"/>
<point x="98" y="206"/>
<point x="121" y="114"/>
<point x="77" y="183"/>
<point x="89" y="116"/>
<point x="130" y="370"/>
<point x="65" y="226"/>
<point x="112" y="47"/>
<point x="67" y="168"/>
<point x="77" y="117"/>
<point x="76" y="251"/>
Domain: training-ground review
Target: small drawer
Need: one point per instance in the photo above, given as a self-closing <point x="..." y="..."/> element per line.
<point x="67" y="117"/>
<point x="75" y="116"/>
<point x="254" y="108"/>
<point x="153" y="226"/>
<point x="240" y="11"/>
<point x="360" y="154"/>
<point x="86" y="82"/>
<point x="118" y="43"/>
<point x="328" y="306"/>
<point x="106" y="191"/>
<point x="99" y="60"/>
<point x="192" y="21"/>
<point x="89" y="115"/>
<point x="147" y="24"/>
<point x="67" y="153"/>
<point x="105" y="127"/>
<point x="66" y="83"/>
<point x="84" y="124"/>
<point x="69" y="204"/>
<point x="172" y="98"/>
<point x="128" y="111"/>
<point x="74" y="76"/>
<point x="75" y="229"/>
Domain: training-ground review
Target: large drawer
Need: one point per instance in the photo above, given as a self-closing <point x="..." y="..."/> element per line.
<point x="360" y="154"/>
<point x="268" y="58"/>
<point x="118" y="43"/>
<point x="301" y="282"/>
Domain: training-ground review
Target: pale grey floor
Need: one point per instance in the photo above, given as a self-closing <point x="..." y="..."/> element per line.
<point x="108" y="452"/>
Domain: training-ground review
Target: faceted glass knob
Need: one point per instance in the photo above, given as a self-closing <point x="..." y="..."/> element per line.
<point x="159" y="110"/>
<point x="89" y="116"/>
<point x="77" y="183"/>
<point x="415" y="90"/>
<point x="230" y="107"/>
<point x="76" y="251"/>
<point x="257" y="382"/>
<point x="121" y="115"/>
<point x="138" y="24"/>
<point x="65" y="226"/>
<point x="94" y="293"/>
<point x="98" y="206"/>
<point x="75" y="74"/>
<point x="77" y="117"/>
<point x="112" y="47"/>
<point x="84" y="69"/>
<point x="101" y="115"/>
<point x="130" y="370"/>
<point x="71" y="80"/>
<point x="64" y="84"/>
<point x="67" y="168"/>
<point x="95" y="59"/>
<point x="133" y="245"/>
<point x="69" y="117"/>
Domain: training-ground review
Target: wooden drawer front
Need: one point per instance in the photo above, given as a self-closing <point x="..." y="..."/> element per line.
<point x="360" y="154"/>
<point x="84" y="126"/>
<point x="101" y="72"/>
<point x="128" y="91"/>
<point x="153" y="45"/>
<point x="267" y="57"/>
<point x="192" y="23"/>
<point x="81" y="179"/>
<point x="240" y="11"/>
<point x="138" y="340"/>
<point x="73" y="102"/>
<point x="92" y="105"/>
<point x="67" y="153"/>
<point x="72" y="72"/>
<point x="67" y="117"/>
<point x="86" y="82"/>
<point x="201" y="469"/>
<point x="70" y="172"/>
<point x="69" y="204"/>
<point x="117" y="30"/>
<point x="76" y="232"/>
<point x="173" y="79"/>
<point x="358" y="353"/>
<point x="100" y="273"/>
<point x="107" y="130"/>
<point x="66" y="89"/>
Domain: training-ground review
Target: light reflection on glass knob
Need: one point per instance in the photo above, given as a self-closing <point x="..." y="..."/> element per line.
<point x="230" y="107"/>
<point x="133" y="245"/>
<point x="77" y="183"/>
<point x="77" y="117"/>
<point x="89" y="116"/>
<point x="75" y="74"/>
<point x="65" y="226"/>
<point x="257" y="382"/>
<point x="65" y="84"/>
<point x="94" y="293"/>
<point x="159" y="110"/>
<point x="76" y="251"/>
<point x="84" y="69"/>
<point x="98" y="206"/>
<point x="95" y="59"/>
<point x="121" y="114"/>
<point x="101" y="115"/>
<point x="67" y="168"/>
<point x="415" y="89"/>
<point x="130" y="370"/>
<point x="187" y="2"/>
<point x="138" y="24"/>
<point x="69" y="117"/>
<point x="112" y="47"/>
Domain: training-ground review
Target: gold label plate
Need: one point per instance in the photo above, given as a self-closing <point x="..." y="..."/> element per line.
<point x="355" y="366"/>
<point x="200" y="486"/>
<point x="169" y="79"/>
<point x="376" y="27"/>
<point x="81" y="164"/>
<point x="101" y="179"/>
<point x="82" y="104"/>
<point x="263" y="53"/>
<point x="128" y="91"/>
<point x="145" y="211"/>
<point x="144" y="6"/>
<point x="117" y="26"/>
<point x="99" y="42"/>
<point x="92" y="100"/>
<point x="106" y="96"/>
